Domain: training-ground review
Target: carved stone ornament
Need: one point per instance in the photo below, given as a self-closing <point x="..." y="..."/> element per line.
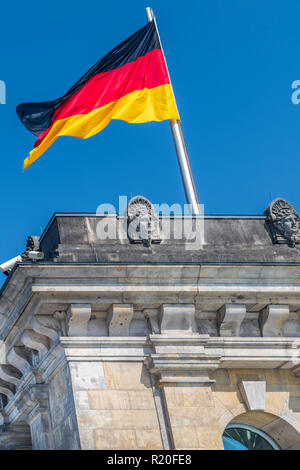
<point x="142" y="222"/>
<point x="32" y="244"/>
<point x="283" y="222"/>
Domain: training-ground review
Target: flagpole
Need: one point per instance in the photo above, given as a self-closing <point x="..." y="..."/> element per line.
<point x="180" y="146"/>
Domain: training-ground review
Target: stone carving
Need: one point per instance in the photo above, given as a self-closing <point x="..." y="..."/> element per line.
<point x="46" y="325"/>
<point x="35" y="341"/>
<point x="32" y="244"/>
<point x="17" y="357"/>
<point x="10" y="374"/>
<point x="142" y="222"/>
<point x="283" y="222"/>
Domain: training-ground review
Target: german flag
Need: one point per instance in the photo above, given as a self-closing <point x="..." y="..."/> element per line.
<point x="131" y="83"/>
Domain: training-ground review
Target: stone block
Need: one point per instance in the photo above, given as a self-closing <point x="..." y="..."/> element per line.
<point x="87" y="375"/>
<point x="236" y="375"/>
<point x="66" y="436"/>
<point x="254" y="394"/>
<point x="119" y="318"/>
<point x="148" y="439"/>
<point x="229" y="398"/>
<point x="191" y="417"/>
<point x="220" y="376"/>
<point x="177" y="318"/>
<point x="108" y="400"/>
<point x="135" y="419"/>
<point x="78" y="316"/>
<point x="115" y="439"/>
<point x="82" y="399"/>
<point x="126" y="375"/>
<point x="210" y="438"/>
<point x="272" y="319"/>
<point x="117" y="419"/>
<point x="282" y="433"/>
<point x="276" y="400"/>
<point x="87" y="441"/>
<point x="61" y="397"/>
<point x="282" y="376"/>
<point x="141" y="400"/>
<point x="188" y="397"/>
<point x="229" y="319"/>
<point x="185" y="437"/>
<point x="92" y="419"/>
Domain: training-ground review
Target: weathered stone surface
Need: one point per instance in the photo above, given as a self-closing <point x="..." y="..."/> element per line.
<point x="227" y="239"/>
<point x="175" y="318"/>
<point x="230" y="318"/>
<point x="272" y="319"/>
<point x="185" y="437"/>
<point x="18" y="358"/>
<point x="186" y="397"/>
<point x="87" y="375"/>
<point x="115" y="439"/>
<point x="78" y="316"/>
<point x="63" y="412"/>
<point x="35" y="341"/>
<point x="119" y="318"/>
<point x="141" y="399"/>
<point x="15" y="437"/>
<point x="283" y="222"/>
<point x="120" y="375"/>
<point x="45" y="325"/>
<point x="10" y="374"/>
<point x="109" y="400"/>
<point x="117" y="419"/>
<point x="254" y="394"/>
<point x="148" y="439"/>
<point x="127" y="337"/>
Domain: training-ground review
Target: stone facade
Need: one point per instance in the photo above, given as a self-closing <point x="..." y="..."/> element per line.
<point x="119" y="345"/>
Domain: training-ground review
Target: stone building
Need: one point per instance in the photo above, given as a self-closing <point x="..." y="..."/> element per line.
<point x="139" y="343"/>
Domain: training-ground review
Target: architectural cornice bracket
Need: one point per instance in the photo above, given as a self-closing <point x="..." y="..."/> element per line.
<point x="229" y="319"/>
<point x="10" y="374"/>
<point x="272" y="318"/>
<point x="78" y="316"/>
<point x="35" y="341"/>
<point x="119" y="318"/>
<point x="177" y="318"/>
<point x="50" y="329"/>
<point x="18" y="358"/>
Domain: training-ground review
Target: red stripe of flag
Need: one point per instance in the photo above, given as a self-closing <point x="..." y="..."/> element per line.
<point x="148" y="71"/>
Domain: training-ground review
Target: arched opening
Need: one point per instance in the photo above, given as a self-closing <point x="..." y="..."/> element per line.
<point x="241" y="436"/>
<point x="257" y="430"/>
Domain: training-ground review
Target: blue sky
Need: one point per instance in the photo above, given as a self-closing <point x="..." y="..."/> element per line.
<point x="232" y="64"/>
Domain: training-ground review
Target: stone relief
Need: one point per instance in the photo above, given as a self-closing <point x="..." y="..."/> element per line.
<point x="142" y="222"/>
<point x="283" y="222"/>
<point x="32" y="244"/>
